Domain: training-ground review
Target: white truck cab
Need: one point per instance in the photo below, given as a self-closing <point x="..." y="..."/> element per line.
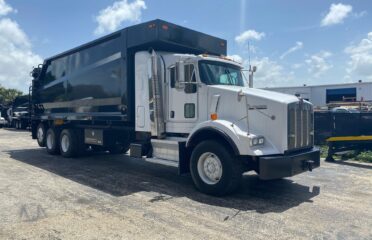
<point x="200" y="110"/>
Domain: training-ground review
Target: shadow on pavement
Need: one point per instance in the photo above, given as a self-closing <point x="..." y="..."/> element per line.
<point x="352" y="164"/>
<point x="15" y="130"/>
<point x="121" y="175"/>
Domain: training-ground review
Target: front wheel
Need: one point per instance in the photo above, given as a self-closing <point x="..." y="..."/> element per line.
<point x="214" y="169"/>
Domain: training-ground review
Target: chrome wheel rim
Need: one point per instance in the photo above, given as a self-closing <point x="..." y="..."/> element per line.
<point x="65" y="143"/>
<point x="210" y="168"/>
<point x="50" y="141"/>
<point x="40" y="134"/>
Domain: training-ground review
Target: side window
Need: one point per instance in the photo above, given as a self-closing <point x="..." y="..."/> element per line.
<point x="190" y="79"/>
<point x="172" y="72"/>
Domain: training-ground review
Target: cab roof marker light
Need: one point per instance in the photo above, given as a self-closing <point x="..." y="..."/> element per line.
<point x="226" y="58"/>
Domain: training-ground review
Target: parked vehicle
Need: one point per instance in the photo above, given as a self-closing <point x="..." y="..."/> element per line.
<point x="344" y="110"/>
<point x="169" y="95"/>
<point x="19" y="113"/>
<point x="3" y="122"/>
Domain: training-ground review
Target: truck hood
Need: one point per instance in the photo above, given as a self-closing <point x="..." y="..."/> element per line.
<point x="259" y="93"/>
<point x="255" y="111"/>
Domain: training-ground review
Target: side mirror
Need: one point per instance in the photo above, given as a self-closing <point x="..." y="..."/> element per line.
<point x="180" y="75"/>
<point x="35" y="73"/>
<point x="254" y="69"/>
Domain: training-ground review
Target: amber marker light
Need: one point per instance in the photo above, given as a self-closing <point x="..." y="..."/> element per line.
<point x="214" y="116"/>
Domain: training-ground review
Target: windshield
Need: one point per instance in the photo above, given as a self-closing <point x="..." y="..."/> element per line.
<point x="219" y="73"/>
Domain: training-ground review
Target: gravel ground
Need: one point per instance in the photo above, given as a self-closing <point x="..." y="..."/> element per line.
<point x="117" y="197"/>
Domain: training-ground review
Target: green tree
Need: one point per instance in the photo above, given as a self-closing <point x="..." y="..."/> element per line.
<point x="7" y="95"/>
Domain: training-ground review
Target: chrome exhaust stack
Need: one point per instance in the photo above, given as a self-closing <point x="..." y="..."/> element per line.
<point x="156" y="99"/>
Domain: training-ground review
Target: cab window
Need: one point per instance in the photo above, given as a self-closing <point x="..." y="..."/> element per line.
<point x="190" y="79"/>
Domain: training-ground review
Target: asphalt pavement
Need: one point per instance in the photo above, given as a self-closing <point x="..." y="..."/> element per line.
<point x="102" y="196"/>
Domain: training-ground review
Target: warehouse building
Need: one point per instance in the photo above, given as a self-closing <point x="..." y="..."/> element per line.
<point x="320" y="95"/>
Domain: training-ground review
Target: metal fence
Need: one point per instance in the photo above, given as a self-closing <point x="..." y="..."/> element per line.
<point x="328" y="124"/>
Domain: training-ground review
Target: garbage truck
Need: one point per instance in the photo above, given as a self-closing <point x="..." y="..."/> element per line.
<point x="169" y="95"/>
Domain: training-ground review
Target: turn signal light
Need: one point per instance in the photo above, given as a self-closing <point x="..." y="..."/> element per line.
<point x="214" y="116"/>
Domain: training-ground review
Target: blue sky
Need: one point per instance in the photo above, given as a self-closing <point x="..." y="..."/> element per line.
<point x="292" y="42"/>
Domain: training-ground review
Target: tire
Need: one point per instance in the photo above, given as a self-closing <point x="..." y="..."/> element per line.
<point x="226" y="169"/>
<point x="69" y="143"/>
<point x="41" y="134"/>
<point x="52" y="141"/>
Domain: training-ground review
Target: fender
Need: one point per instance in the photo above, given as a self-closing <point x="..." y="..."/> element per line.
<point x="211" y="131"/>
<point x="223" y="129"/>
<point x="233" y="134"/>
<point x="204" y="131"/>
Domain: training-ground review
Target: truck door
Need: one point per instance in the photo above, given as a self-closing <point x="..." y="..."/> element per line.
<point x="182" y="98"/>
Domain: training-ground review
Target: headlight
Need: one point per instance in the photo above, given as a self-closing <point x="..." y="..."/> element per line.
<point x="255" y="141"/>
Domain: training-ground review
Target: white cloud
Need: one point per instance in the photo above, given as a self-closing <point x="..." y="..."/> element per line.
<point x="16" y="56"/>
<point x="249" y="35"/>
<point x="296" y="65"/>
<point x="271" y="74"/>
<point x="318" y="63"/>
<point x="360" y="14"/>
<point x="110" y="18"/>
<point x="298" y="46"/>
<point x="360" y="64"/>
<point x="337" y="13"/>
<point x="5" y="8"/>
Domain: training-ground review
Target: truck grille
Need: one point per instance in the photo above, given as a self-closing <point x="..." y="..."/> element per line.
<point x="300" y="125"/>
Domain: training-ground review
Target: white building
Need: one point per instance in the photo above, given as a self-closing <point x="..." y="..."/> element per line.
<point x="320" y="95"/>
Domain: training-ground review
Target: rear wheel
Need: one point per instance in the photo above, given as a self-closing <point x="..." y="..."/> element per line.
<point x="214" y="169"/>
<point x="52" y="141"/>
<point x="40" y="135"/>
<point x="69" y="144"/>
